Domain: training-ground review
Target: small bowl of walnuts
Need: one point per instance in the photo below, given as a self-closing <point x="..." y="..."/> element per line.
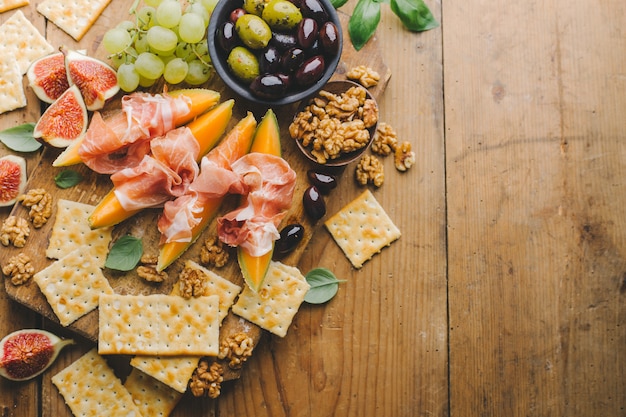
<point x="337" y="125"/>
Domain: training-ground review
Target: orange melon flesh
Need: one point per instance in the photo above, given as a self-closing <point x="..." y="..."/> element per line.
<point x="266" y="140"/>
<point x="208" y="128"/>
<point x="236" y="144"/>
<point x="201" y="100"/>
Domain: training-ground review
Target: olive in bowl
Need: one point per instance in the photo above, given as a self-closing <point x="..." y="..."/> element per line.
<point x="275" y="52"/>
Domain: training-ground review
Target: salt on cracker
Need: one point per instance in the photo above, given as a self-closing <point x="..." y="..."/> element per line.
<point x="73" y="285"/>
<point x="71" y="230"/>
<point x="277" y="301"/>
<point x="22" y="41"/>
<point x="6" y="5"/>
<point x="362" y="229"/>
<point x="11" y="88"/>
<point x="158" y="324"/>
<point x="90" y="388"/>
<point x="151" y="397"/>
<point x="74" y="17"/>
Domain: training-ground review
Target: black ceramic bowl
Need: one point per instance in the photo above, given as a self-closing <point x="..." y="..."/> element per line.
<point x="221" y="14"/>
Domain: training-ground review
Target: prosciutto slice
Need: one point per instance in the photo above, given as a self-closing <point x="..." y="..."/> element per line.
<point x="163" y="174"/>
<point x="270" y="183"/>
<point x="122" y="140"/>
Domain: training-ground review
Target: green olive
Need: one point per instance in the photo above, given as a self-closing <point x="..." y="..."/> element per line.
<point x="253" y="31"/>
<point x="243" y="64"/>
<point x="281" y="14"/>
<point x="254" y="6"/>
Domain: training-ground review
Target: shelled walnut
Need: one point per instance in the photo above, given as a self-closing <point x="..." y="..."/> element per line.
<point x="147" y="270"/>
<point x="370" y="170"/>
<point x="237" y="349"/>
<point x="207" y="379"/>
<point x="40" y="203"/>
<point x="213" y="253"/>
<point x="364" y="75"/>
<point x="19" y="269"/>
<point x="14" y="231"/>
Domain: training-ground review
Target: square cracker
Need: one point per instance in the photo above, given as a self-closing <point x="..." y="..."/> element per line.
<point x="11" y="88"/>
<point x="90" y="388"/>
<point x="6" y="5"/>
<point x="158" y="324"/>
<point x="71" y="230"/>
<point x="73" y="285"/>
<point x="277" y="301"/>
<point x="151" y="397"/>
<point x="74" y="17"/>
<point x="22" y="41"/>
<point x="362" y="229"/>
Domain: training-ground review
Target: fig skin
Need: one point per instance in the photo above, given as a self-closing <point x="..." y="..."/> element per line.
<point x="26" y="353"/>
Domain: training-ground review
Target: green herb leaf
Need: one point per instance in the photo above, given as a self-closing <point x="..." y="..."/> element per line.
<point x="414" y="14"/>
<point x="338" y="3"/>
<point x="124" y="254"/>
<point x="363" y="22"/>
<point x="20" y="138"/>
<point x="324" y="286"/>
<point x="67" y="179"/>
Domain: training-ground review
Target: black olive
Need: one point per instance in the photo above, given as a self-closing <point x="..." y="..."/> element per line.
<point x="310" y="71"/>
<point x="329" y="36"/>
<point x="313" y="203"/>
<point x="324" y="182"/>
<point x="314" y="9"/>
<point x="292" y="59"/>
<point x="269" y="61"/>
<point x="269" y="86"/>
<point x="290" y="237"/>
<point x="227" y="37"/>
<point x="283" y="41"/>
<point x="307" y="32"/>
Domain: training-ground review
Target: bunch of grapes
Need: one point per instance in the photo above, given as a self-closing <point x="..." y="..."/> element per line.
<point x="164" y="40"/>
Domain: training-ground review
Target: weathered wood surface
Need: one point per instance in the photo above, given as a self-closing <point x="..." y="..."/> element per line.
<point x="505" y="294"/>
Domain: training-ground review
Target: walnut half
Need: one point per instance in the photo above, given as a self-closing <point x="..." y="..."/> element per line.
<point x="19" y="269"/>
<point x="207" y="379"/>
<point x="14" y="231"/>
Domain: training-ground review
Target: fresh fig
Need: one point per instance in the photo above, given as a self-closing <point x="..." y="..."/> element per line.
<point x="12" y="179"/>
<point x="64" y="121"/>
<point x="47" y="77"/>
<point x="96" y="80"/>
<point x="26" y="353"/>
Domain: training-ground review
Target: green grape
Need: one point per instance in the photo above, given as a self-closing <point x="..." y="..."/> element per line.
<point x="199" y="73"/>
<point x="148" y="65"/>
<point x="209" y="5"/>
<point x="175" y="71"/>
<point x="127" y="25"/>
<point x="145" y="17"/>
<point x="201" y="52"/>
<point x="199" y="9"/>
<point x="191" y="29"/>
<point x="115" y="40"/>
<point x="128" y="77"/>
<point x="152" y="3"/>
<point x="161" y="39"/>
<point x="141" y="43"/>
<point x="146" y="82"/>
<point x="168" y="13"/>
<point x="183" y="50"/>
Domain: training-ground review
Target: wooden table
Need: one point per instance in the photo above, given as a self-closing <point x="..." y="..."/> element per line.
<point x="505" y="294"/>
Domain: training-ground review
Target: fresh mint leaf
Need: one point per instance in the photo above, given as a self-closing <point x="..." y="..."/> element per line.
<point x="124" y="254"/>
<point x="67" y="178"/>
<point x="20" y="138"/>
<point x="414" y="14"/>
<point x="363" y="22"/>
<point x="338" y="3"/>
<point x="324" y="286"/>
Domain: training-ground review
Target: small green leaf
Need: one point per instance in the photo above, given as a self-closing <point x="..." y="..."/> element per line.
<point x="20" y="138"/>
<point x="67" y="178"/>
<point x="414" y="14"/>
<point x="363" y="22"/>
<point x="338" y="3"/>
<point x="124" y="254"/>
<point x="324" y="286"/>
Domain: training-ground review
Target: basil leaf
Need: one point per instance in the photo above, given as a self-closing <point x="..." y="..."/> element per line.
<point x="20" y="138"/>
<point x="67" y="179"/>
<point x="124" y="254"/>
<point x="414" y="14"/>
<point x="324" y="286"/>
<point x="363" y="22"/>
<point x="338" y="3"/>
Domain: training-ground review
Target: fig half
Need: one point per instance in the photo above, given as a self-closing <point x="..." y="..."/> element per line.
<point x="26" y="353"/>
<point x="12" y="179"/>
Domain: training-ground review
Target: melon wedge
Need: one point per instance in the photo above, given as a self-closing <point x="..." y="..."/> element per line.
<point x="266" y="140"/>
<point x="208" y="128"/>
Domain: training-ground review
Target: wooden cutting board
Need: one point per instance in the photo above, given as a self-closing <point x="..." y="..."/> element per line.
<point x="143" y="225"/>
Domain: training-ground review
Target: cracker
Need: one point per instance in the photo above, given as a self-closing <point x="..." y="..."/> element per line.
<point x="90" y="388"/>
<point x="158" y="324"/>
<point x="278" y="300"/>
<point x="6" y="5"/>
<point x="72" y="285"/>
<point x="362" y="229"/>
<point x="11" y="88"/>
<point x="22" y="41"/>
<point x="71" y="230"/>
<point x="172" y="371"/>
<point x="74" y="17"/>
<point x="151" y="397"/>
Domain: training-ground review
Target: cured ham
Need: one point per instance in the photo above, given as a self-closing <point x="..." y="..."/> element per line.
<point x="269" y="183"/>
<point x="122" y="140"/>
<point x="163" y="174"/>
